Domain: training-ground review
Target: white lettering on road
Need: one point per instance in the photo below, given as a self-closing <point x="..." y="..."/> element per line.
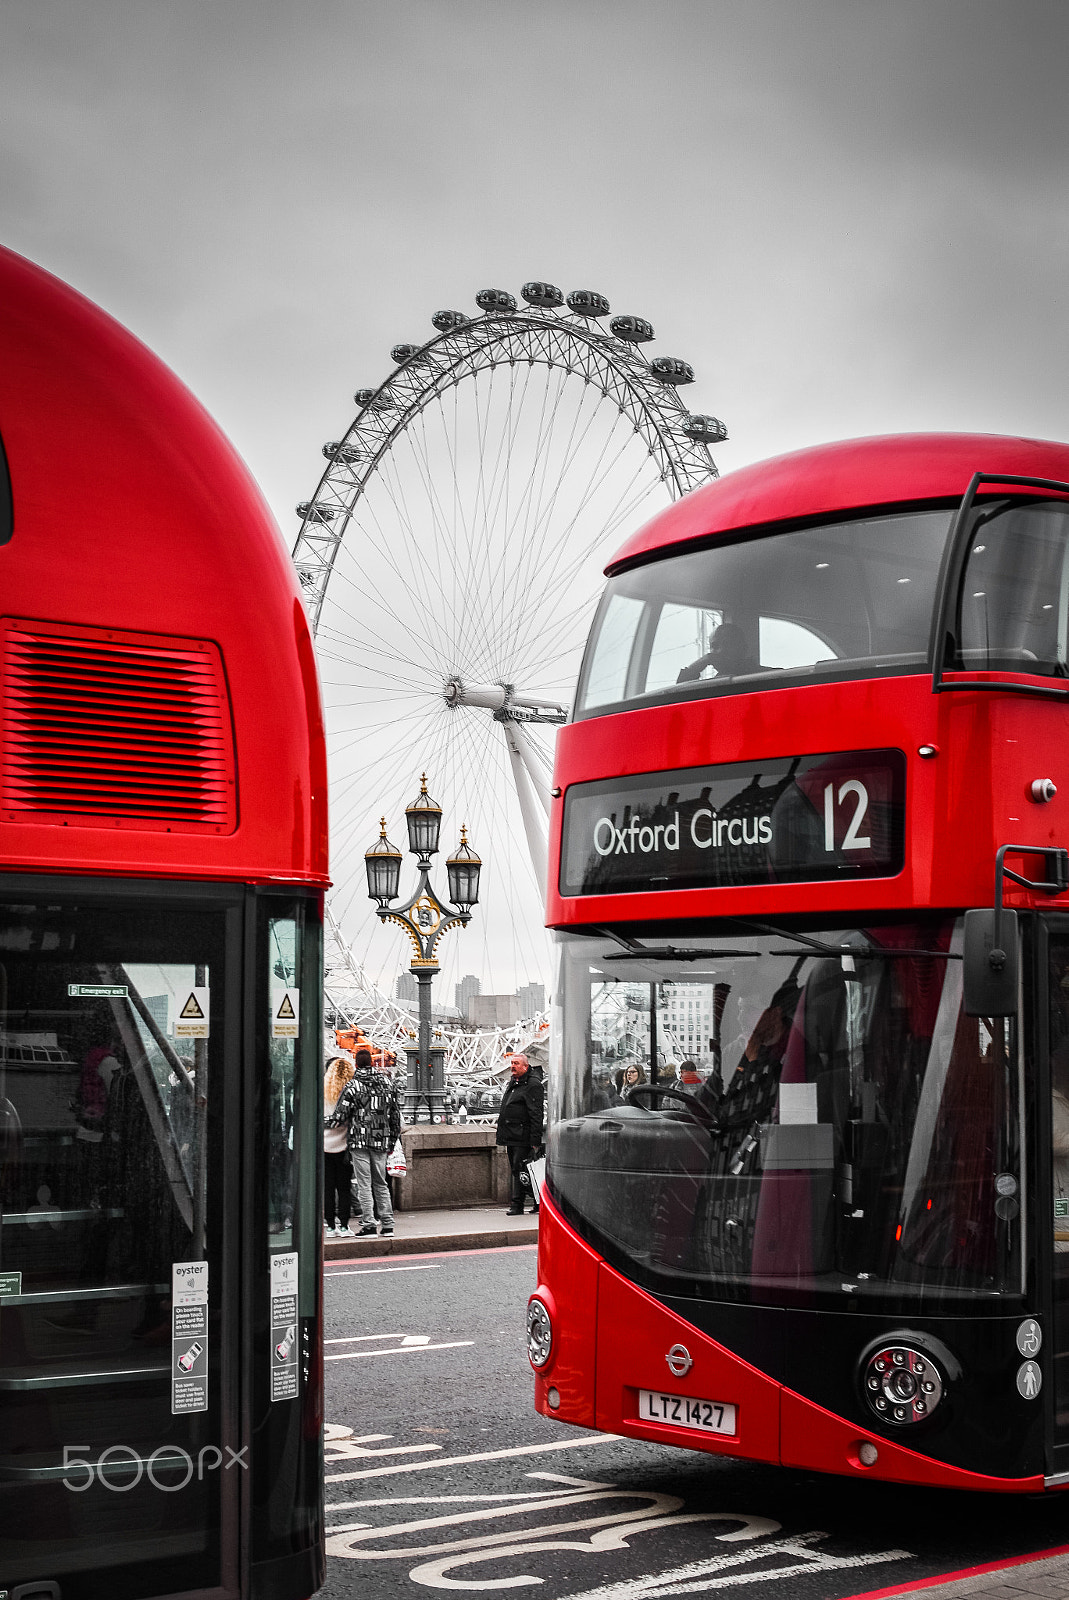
<point x="725" y="1571"/>
<point x="609" y="1530"/>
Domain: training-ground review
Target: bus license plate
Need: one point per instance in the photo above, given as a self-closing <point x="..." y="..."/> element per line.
<point x="707" y="1416"/>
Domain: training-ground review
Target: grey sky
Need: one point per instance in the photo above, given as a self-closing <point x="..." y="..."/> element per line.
<point x="850" y="217"/>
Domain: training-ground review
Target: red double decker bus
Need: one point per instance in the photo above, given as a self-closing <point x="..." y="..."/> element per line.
<point x="162" y="864"/>
<point x="808" y="1168"/>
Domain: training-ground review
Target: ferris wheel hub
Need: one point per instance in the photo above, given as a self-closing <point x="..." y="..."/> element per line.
<point x="508" y="703"/>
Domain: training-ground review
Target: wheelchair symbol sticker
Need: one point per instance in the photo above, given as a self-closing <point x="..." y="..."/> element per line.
<point x="1029" y="1337"/>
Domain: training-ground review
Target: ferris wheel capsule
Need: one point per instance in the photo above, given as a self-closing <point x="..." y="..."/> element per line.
<point x="313" y="513"/>
<point x="635" y="330"/>
<point x="373" y="399"/>
<point x="669" y="369"/>
<point x="588" y="303"/>
<point x="403" y="352"/>
<point x="542" y="294"/>
<point x="335" y="450"/>
<point x="705" y="430"/>
<point x="495" y="300"/>
<point x="446" y="321"/>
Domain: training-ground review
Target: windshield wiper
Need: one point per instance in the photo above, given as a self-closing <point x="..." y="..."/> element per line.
<point x="800" y="938"/>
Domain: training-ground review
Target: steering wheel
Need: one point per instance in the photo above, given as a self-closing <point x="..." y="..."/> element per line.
<point x="667" y="1091"/>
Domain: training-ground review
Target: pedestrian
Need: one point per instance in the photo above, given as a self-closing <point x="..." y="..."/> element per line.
<point x="370" y="1106"/>
<point x="633" y="1076"/>
<point x="337" y="1168"/>
<point x="689" y="1076"/>
<point x="519" y="1127"/>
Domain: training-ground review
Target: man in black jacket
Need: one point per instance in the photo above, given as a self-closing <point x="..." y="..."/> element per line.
<point x="519" y="1127"/>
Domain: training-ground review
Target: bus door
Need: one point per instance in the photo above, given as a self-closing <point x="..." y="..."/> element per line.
<point x="120" y="1061"/>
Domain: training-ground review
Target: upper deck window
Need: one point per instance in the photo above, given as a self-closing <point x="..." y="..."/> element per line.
<point x="842" y="600"/>
<point x="1013" y="607"/>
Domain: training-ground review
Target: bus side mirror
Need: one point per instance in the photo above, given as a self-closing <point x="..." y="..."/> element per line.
<point x="989" y="976"/>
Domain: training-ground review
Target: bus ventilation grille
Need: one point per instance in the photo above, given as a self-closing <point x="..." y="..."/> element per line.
<point x="128" y="727"/>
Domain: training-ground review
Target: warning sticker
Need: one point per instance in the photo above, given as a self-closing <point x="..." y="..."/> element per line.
<point x="193" y="1014"/>
<point x="285" y="1349"/>
<point x="189" y="1336"/>
<point x="285" y="1013"/>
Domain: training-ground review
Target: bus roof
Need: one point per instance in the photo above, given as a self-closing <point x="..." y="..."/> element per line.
<point x="826" y="479"/>
<point x="142" y="555"/>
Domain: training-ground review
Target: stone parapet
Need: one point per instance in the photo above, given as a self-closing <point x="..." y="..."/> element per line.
<point x="450" y="1165"/>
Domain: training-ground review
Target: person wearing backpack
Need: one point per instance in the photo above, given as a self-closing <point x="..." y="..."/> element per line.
<point x="370" y="1106"/>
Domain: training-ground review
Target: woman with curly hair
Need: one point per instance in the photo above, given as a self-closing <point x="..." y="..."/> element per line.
<point x="337" y="1168"/>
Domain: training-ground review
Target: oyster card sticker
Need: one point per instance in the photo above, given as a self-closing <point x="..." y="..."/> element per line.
<point x="192" y="1016"/>
<point x="285" y="1013"/>
<point x="284" y="1345"/>
<point x="189" y="1336"/>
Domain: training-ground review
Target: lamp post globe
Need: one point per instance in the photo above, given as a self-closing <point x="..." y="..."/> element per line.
<point x="424" y="818"/>
<point x="463" y="868"/>
<point x="383" y="863"/>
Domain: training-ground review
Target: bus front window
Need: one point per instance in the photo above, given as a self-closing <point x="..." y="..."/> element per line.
<point x="840" y="1130"/>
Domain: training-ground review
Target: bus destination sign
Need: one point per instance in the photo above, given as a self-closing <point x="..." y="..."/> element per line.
<point x="794" y="820"/>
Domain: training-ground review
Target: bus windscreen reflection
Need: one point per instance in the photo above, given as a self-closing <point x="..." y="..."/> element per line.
<point x="769" y="1121"/>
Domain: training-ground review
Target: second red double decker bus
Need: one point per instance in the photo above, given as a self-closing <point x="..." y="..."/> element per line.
<point x="809" y="844"/>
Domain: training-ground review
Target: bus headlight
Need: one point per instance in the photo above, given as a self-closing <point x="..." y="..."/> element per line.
<point x="902" y="1383"/>
<point x="539" y="1334"/>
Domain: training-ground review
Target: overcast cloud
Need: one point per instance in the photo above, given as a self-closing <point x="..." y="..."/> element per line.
<point x="850" y="217"/>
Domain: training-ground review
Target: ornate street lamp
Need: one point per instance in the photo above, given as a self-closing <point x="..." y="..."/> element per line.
<point x="424" y="918"/>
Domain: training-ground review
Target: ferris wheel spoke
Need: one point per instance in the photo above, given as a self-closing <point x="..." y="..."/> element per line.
<point x="539" y="557"/>
<point x="413" y="578"/>
<point x="364" y="586"/>
<point x="542" y="463"/>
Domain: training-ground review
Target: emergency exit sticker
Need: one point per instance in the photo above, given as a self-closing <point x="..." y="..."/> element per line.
<point x="189" y="1336"/>
<point x="285" y="1349"/>
<point x="192" y="1014"/>
<point x="285" y="1013"/>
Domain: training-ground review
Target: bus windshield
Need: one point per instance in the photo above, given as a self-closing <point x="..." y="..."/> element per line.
<point x="846" y="599"/>
<point x="822" y="1119"/>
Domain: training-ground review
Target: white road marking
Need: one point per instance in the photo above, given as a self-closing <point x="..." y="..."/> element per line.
<point x="350" y="1449"/>
<point x="482" y="1455"/>
<point x="722" y="1571"/>
<point x="367" y="1272"/>
<point x="363" y="1338"/>
<point x="401" y="1350"/>
<point x="440" y="1499"/>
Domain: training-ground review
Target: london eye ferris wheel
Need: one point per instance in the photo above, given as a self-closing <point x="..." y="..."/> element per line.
<point x="450" y="558"/>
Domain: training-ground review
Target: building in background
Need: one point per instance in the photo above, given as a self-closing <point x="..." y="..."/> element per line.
<point x="493" y="1010"/>
<point x="406" y="987"/>
<point x="532" y="998"/>
<point x="469" y="985"/>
